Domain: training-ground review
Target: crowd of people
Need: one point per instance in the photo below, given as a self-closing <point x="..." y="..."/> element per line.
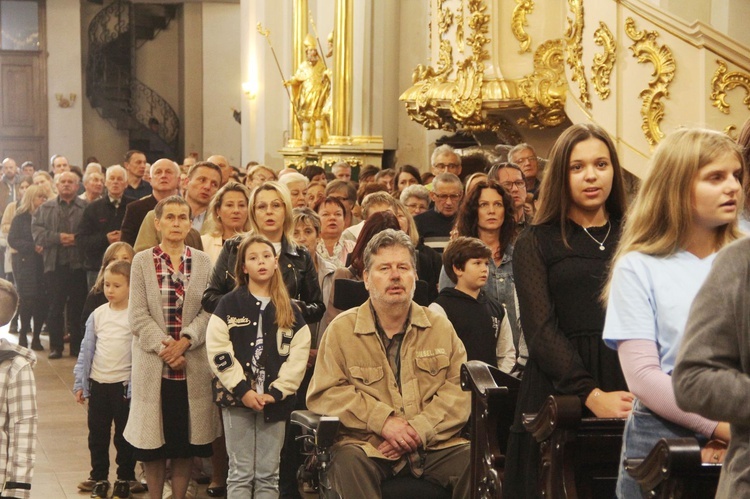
<point x="204" y="304"/>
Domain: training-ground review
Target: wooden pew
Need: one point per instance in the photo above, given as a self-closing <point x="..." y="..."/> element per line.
<point x="493" y="404"/>
<point x="579" y="456"/>
<point x="673" y="469"/>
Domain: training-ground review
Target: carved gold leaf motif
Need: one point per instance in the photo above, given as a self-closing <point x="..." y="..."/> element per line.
<point x="646" y="49"/>
<point x="518" y="22"/>
<point x="574" y="48"/>
<point x="723" y="81"/>
<point x="543" y="91"/>
<point x="604" y="62"/>
<point x="445" y="18"/>
<point x="460" y="28"/>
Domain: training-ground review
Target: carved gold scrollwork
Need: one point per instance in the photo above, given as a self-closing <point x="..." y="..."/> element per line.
<point x="646" y="49"/>
<point x="445" y="18"/>
<point x="425" y="109"/>
<point x="466" y="96"/>
<point x="518" y="22"/>
<point x="460" y="28"/>
<point x="574" y="48"/>
<point x="543" y="91"/>
<point x="724" y="81"/>
<point x="604" y="62"/>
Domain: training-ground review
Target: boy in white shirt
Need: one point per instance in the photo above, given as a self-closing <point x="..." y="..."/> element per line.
<point x="102" y="375"/>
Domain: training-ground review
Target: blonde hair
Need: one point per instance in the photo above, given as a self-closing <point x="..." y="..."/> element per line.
<point x="109" y="256"/>
<point x="215" y="225"/>
<point x="279" y="294"/>
<point x="412" y="230"/>
<point x="283" y="193"/>
<point x="26" y="203"/>
<point x="661" y="216"/>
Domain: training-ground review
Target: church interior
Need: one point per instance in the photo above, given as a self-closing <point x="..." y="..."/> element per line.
<point x="95" y="78"/>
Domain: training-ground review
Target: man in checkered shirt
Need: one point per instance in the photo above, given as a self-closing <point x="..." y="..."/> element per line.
<point x="18" y="417"/>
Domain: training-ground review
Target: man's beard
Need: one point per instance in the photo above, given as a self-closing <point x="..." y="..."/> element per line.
<point x="387" y="299"/>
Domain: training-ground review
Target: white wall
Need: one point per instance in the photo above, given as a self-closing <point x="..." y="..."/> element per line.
<point x="65" y="125"/>
<point x="222" y="81"/>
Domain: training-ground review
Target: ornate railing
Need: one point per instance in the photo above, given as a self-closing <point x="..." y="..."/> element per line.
<point x="110" y="85"/>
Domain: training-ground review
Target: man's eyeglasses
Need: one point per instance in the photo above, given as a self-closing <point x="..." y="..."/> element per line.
<point x="527" y="159"/>
<point x="446" y="166"/>
<point x="519" y="184"/>
<point x="446" y="197"/>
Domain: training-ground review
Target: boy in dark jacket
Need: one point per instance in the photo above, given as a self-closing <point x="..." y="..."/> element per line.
<point x="481" y="323"/>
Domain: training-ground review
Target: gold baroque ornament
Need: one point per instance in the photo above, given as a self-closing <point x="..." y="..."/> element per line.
<point x="466" y="95"/>
<point x="518" y="22"/>
<point x="646" y="49"/>
<point x="425" y="111"/>
<point x="604" y="62"/>
<point x="723" y="81"/>
<point x="543" y="91"/>
<point x="460" y="28"/>
<point x="445" y="18"/>
<point x="574" y="48"/>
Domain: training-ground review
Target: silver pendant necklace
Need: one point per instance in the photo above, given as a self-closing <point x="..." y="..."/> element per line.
<point x="600" y="243"/>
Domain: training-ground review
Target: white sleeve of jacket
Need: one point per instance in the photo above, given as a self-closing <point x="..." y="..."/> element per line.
<point x="220" y="353"/>
<point x="504" y="349"/>
<point x="293" y="369"/>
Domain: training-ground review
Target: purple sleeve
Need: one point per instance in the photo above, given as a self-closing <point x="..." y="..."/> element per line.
<point x="640" y="365"/>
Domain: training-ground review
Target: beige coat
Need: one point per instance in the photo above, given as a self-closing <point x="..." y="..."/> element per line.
<point x="144" y="429"/>
<point x="353" y="380"/>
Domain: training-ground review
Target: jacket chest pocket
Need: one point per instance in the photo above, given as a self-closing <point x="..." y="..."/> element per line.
<point x="433" y="364"/>
<point x="367" y="375"/>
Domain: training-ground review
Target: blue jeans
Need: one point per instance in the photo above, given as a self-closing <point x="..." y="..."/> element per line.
<point x="253" y="447"/>
<point x="643" y="430"/>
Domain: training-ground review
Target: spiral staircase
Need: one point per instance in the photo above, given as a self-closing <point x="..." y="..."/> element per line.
<point x="111" y="86"/>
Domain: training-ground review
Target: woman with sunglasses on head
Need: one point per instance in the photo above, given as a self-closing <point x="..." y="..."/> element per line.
<point x="560" y="265"/>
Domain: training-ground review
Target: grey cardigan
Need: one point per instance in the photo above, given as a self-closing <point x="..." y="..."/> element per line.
<point x="712" y="377"/>
<point x="144" y="428"/>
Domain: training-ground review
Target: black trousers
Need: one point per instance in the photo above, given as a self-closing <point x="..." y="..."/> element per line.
<point x="109" y="403"/>
<point x="65" y="286"/>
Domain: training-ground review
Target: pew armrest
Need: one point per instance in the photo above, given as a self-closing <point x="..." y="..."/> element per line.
<point x="673" y="468"/>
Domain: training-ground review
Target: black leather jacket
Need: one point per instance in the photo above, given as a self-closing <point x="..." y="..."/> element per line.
<point x="297" y="269"/>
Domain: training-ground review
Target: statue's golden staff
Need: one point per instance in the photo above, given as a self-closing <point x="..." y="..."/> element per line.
<point x="266" y="33"/>
<point x="320" y="46"/>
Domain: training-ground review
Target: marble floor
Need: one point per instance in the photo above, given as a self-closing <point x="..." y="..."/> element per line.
<point x="62" y="456"/>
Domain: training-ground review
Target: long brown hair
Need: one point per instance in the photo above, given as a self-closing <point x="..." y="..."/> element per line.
<point x="279" y="294"/>
<point x="554" y="196"/>
<point x="375" y="223"/>
<point x="467" y="221"/>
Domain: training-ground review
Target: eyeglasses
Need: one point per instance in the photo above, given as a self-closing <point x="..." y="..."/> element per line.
<point x="519" y="184"/>
<point x="446" y="197"/>
<point x="416" y="206"/>
<point x="527" y="159"/>
<point x="446" y="166"/>
<point x="275" y="206"/>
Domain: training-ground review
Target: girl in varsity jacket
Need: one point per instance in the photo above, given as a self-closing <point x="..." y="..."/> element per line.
<point x="258" y="345"/>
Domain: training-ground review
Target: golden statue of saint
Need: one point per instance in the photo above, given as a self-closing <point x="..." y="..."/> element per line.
<point x="311" y="86"/>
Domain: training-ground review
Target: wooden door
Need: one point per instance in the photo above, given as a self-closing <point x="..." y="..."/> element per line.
<point x="23" y="100"/>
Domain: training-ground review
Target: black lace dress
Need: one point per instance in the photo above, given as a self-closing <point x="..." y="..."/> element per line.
<point x="562" y="317"/>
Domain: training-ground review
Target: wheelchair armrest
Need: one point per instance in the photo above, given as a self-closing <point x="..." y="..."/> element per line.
<point x="324" y="428"/>
<point x="306" y="419"/>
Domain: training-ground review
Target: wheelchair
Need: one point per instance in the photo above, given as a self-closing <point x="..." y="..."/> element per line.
<point x="319" y="434"/>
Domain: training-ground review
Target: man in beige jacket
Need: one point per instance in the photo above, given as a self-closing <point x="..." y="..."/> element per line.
<point x="390" y="371"/>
